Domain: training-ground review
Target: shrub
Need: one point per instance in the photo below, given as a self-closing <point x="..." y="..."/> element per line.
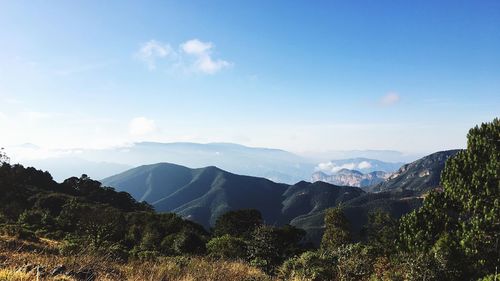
<point x="491" y="277"/>
<point x="238" y="223"/>
<point x="19" y="232"/>
<point x="337" y="230"/>
<point x="188" y="243"/>
<point x="263" y="250"/>
<point x="147" y="255"/>
<point x="419" y="266"/>
<point x="71" y="246"/>
<point x="226" y="247"/>
<point x="310" y="265"/>
<point x="355" y="261"/>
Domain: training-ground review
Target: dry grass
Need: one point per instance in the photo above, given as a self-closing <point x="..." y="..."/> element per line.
<point x="11" y="275"/>
<point x="19" y="259"/>
<point x="8" y="274"/>
<point x="192" y="269"/>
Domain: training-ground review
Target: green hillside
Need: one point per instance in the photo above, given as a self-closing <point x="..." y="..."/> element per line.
<point x="419" y="176"/>
<point x="202" y="194"/>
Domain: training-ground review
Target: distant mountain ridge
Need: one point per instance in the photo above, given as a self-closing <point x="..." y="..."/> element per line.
<point x="417" y="177"/>
<point x="351" y="178"/>
<point x="361" y="164"/>
<point x="275" y="164"/>
<point x="203" y="194"/>
<point x="359" y="172"/>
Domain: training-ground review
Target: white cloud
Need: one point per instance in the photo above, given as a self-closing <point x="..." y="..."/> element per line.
<point x="196" y="47"/>
<point x="329" y="167"/>
<point x="203" y="58"/>
<point x="391" y="98"/>
<point x="192" y="56"/>
<point x="153" y="50"/>
<point x="140" y="126"/>
<point x="364" y="165"/>
<point x="209" y="66"/>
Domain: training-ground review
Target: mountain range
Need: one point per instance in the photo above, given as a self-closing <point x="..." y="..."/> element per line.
<point x="274" y="164"/>
<point x="361" y="164"/>
<point x="417" y="177"/>
<point x="203" y="194"/>
<point x="359" y="172"/>
<point x="351" y="177"/>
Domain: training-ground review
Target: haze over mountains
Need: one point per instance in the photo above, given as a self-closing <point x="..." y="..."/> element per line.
<point x="364" y="165"/>
<point x="359" y="172"/>
<point x="351" y="177"/>
<point x="275" y="164"/>
<point x="203" y="194"/>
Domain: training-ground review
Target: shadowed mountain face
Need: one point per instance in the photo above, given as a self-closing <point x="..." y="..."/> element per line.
<point x="201" y="194"/>
<point x="204" y="194"/>
<point x="417" y="177"/>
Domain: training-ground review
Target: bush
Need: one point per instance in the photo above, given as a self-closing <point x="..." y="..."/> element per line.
<point x="226" y="247"/>
<point x="384" y="269"/>
<point x="147" y="255"/>
<point x="167" y="245"/>
<point x="310" y="265"/>
<point x="115" y="251"/>
<point x="239" y="223"/>
<point x="188" y="243"/>
<point x="492" y="277"/>
<point x="263" y="250"/>
<point x="419" y="266"/>
<point x="355" y="261"/>
<point x="71" y="246"/>
<point x="19" y="232"/>
<point x="337" y="230"/>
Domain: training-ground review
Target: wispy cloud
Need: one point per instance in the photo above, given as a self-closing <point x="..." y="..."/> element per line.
<point x="192" y="56"/>
<point x="153" y="50"/>
<point x="332" y="168"/>
<point x="389" y="99"/>
<point x="140" y="126"/>
<point x="203" y="57"/>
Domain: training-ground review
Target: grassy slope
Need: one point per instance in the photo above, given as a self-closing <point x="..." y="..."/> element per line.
<point x="20" y="259"/>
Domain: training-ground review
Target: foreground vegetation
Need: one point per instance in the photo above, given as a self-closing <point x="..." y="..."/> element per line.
<point x="20" y="262"/>
<point x="79" y="230"/>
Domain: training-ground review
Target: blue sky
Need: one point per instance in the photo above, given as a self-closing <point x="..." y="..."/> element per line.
<point x="307" y="76"/>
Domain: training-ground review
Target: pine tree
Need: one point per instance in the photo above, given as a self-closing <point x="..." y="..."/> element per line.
<point x="337" y="231"/>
